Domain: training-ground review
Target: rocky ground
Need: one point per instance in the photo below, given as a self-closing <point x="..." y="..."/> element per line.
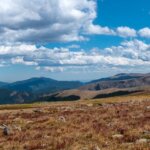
<point x="83" y="125"/>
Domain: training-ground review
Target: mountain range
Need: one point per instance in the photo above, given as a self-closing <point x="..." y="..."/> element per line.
<point x="120" y="84"/>
<point x="46" y="89"/>
<point x="41" y="85"/>
<point x="3" y="83"/>
<point x="29" y="90"/>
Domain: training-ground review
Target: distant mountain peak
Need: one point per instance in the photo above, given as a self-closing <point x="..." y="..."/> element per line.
<point x="42" y="84"/>
<point x="3" y="83"/>
<point x="121" y="74"/>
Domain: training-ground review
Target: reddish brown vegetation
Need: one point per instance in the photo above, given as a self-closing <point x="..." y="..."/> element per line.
<point x="107" y="126"/>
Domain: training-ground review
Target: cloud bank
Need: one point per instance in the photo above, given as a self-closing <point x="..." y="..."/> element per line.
<point x="43" y="21"/>
<point x="25" y="24"/>
<point x="132" y="53"/>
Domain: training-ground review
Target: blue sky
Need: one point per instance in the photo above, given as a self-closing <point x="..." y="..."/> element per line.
<point x="114" y="13"/>
<point x="73" y="40"/>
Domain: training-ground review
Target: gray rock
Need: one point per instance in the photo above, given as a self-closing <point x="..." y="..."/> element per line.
<point x="17" y="128"/>
<point x="96" y="148"/>
<point x="6" y="131"/>
<point x="90" y="105"/>
<point x="1" y="127"/>
<point x="62" y="118"/>
<point x="146" y="132"/>
<point x="148" y="108"/>
<point x="142" y="141"/>
<point x="117" y="136"/>
<point x="38" y="111"/>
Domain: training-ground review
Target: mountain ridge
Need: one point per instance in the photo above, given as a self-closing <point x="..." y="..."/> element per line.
<point x="47" y="89"/>
<point x="38" y="84"/>
<point x="3" y="83"/>
<point x="29" y="90"/>
<point x="123" y="84"/>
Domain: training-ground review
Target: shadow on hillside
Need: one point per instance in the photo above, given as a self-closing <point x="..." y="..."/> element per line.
<point x="117" y="93"/>
<point x="55" y="98"/>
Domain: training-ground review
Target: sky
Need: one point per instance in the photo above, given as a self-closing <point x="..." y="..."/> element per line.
<point x="73" y="39"/>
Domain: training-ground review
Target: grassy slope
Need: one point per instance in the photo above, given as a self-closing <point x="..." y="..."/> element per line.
<point x="85" y="124"/>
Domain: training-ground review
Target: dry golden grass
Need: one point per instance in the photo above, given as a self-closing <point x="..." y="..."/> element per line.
<point x="119" y="123"/>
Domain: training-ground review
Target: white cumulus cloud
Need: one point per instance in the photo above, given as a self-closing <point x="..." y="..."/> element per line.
<point x="126" y="32"/>
<point x="41" y="21"/>
<point x="145" y="32"/>
<point x="133" y="53"/>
